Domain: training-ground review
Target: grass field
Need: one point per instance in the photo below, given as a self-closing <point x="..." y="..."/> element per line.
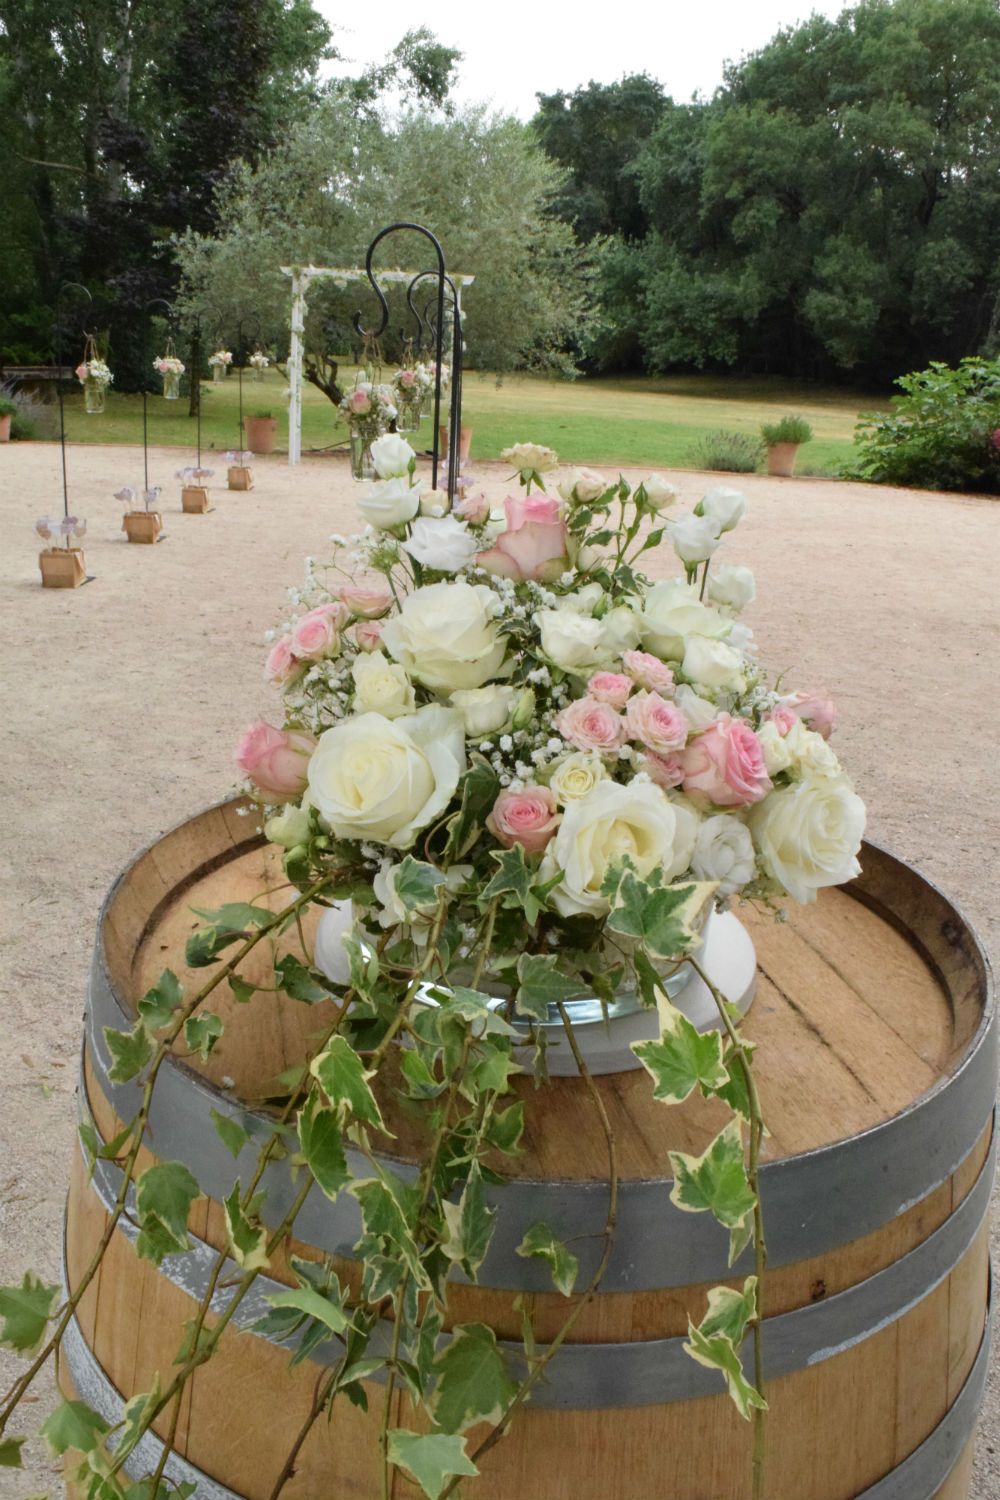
<point x="629" y="421"/>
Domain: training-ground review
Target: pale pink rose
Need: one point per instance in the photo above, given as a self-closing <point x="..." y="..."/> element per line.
<point x="368" y="634"/>
<point x="666" y="770"/>
<point x="816" y="709"/>
<point x="783" y="719"/>
<point x="474" y="508"/>
<point x="591" y="725"/>
<point x="81" y="371"/>
<point x="367" y="603"/>
<point x="281" y="664"/>
<point x="317" y="634"/>
<point x="528" y="817"/>
<point x="275" y="760"/>
<point x="648" y="671"/>
<point x="726" y="764"/>
<point x="534" y="544"/>
<point x="610" y="687"/>
<point x="407" y="378"/>
<point x="359" y="402"/>
<point x="656" y="723"/>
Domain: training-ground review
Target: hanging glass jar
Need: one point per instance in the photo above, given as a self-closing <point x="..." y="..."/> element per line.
<point x="171" y="385"/>
<point x="171" y="369"/>
<point x="408" y="404"/>
<point x="94" y="375"/>
<point x="258" y="364"/>
<point x="94" y="396"/>
<point x="362" y="463"/>
<point x="220" y="362"/>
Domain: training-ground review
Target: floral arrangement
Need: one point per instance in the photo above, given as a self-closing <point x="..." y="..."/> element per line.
<point x="412" y="382"/>
<point x="131" y="494"/>
<point x="259" y="360"/>
<point x="368" y="408"/>
<point x="94" y="369"/>
<point x="168" y="364"/>
<point x="221" y="357"/>
<point x="428" y="371"/>
<point x="52" y="527"/>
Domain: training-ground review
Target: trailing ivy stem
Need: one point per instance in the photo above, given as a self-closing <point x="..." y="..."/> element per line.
<point x="760" y="1245"/>
<point x="321" y="1394"/>
<point x="138" y="1128"/>
<point x="404" y="1006"/>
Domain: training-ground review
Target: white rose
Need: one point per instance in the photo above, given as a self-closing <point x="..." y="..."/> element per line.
<point x="444" y="544"/>
<point x="572" y="640"/>
<point x="733" y="587"/>
<point x="619" y="631"/>
<point x="724" y="506"/>
<point x="582" y="485"/>
<point x="389" y="502"/>
<point x="808" y="834"/>
<point x="697" y="710"/>
<point x="290" y="827"/>
<point x="419" y="919"/>
<point x="723" y="851"/>
<point x="434" y="503"/>
<point x="391" y="454"/>
<point x="695" y="538"/>
<point x="809" y="752"/>
<point x="446" y="635"/>
<point x="713" y="664"/>
<point x="384" y="779"/>
<point x="672" y="611"/>
<point x="381" y="687"/>
<point x="612" y="821"/>
<point x="660" y="493"/>
<point x="530" y="458"/>
<point x="484" y="710"/>
<point x="575" y="776"/>
<point x="777" y="755"/>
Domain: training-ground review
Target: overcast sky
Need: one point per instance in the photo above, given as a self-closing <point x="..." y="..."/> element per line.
<point x="517" y="48"/>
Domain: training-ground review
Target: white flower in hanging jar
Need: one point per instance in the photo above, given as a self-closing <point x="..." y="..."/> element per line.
<point x="258" y="362"/>
<point x="94" y="375"/>
<point x="408" y="387"/>
<point x="171" y="368"/>
<point x="367" y="409"/>
<point x="219" y="363"/>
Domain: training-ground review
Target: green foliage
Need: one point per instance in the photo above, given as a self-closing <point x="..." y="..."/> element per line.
<point x="470" y="1225"/>
<point x="247" y="1238"/>
<point x="201" y="1032"/>
<point x="727" y="453"/>
<point x="432" y="1458"/>
<point x="472" y="1380"/>
<point x="157" y="1006"/>
<point x="73" y="1425"/>
<point x="541" y="985"/>
<point x="230" y="1132"/>
<point x="8" y="408"/>
<point x="683" y="1059"/>
<point x="322" y="1146"/>
<point x="130" y="1051"/>
<point x="10" y="1452"/>
<point x="715" y="1342"/>
<point x="790" y="429"/>
<point x="164" y="1195"/>
<point x="299" y="981"/>
<point x="25" y="1311"/>
<point x="717" y="1182"/>
<point x="540" y="1241"/>
<point x="342" y="1076"/>
<point x="940" y="433"/>
<point x="662" y="918"/>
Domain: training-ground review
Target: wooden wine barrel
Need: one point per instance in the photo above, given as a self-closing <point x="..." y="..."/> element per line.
<point x="874" y="1021"/>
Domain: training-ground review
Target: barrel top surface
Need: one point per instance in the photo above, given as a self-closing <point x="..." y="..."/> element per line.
<point x="868" y="1001"/>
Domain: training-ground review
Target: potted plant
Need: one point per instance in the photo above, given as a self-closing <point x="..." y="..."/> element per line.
<point x="783" y="440"/>
<point x="62" y="567"/>
<point x="261" y="430"/>
<point x="240" y="474"/>
<point x="194" y="491"/>
<point x="143" y="525"/>
<point x="8" y="410"/>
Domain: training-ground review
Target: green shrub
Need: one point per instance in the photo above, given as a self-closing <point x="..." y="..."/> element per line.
<point x="789" y="430"/>
<point x="941" y="434"/>
<point x="8" y="408"/>
<point x="261" y="415"/>
<point x="731" y="452"/>
<point x="24" y="429"/>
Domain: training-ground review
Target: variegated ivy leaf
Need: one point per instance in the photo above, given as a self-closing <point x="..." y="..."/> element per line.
<point x="663" y="919"/>
<point x="715" y="1341"/>
<point x="322" y="1146"/>
<point x="247" y="1237"/>
<point x="470" y="1225"/>
<point x="130" y="1051"/>
<point x="25" y="1311"/>
<point x="417" y="883"/>
<point x="683" y="1059"/>
<point x="135" y="1415"/>
<point x="432" y="1458"/>
<point x="201" y="1032"/>
<point x="344" y="1080"/>
<point x="541" y="984"/>
<point x="157" y="1006"/>
<point x="75" y="1425"/>
<point x="473" y="1384"/>
<point x="540" y="1241"/>
<point x="717" y="1182"/>
<point x="163" y="1198"/>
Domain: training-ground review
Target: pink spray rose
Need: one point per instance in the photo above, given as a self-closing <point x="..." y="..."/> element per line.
<point x="367" y="603"/>
<point x="534" y="544"/>
<point x="317" y="634"/>
<point x="407" y="378"/>
<point x="528" y="817"/>
<point x="783" y="719"/>
<point x="368" y="634"/>
<point x="359" y="402"/>
<point x="591" y="725"/>
<point x="275" y="760"/>
<point x="666" y="770"/>
<point x="656" y="723"/>
<point x="610" y="687"/>
<point x="281" y="664"/>
<point x="474" y="508"/>
<point x="726" y="764"/>
<point x="648" y="671"/>
<point x="816" y="709"/>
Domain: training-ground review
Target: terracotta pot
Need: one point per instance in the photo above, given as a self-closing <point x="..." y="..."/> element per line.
<point x="261" y="433"/>
<point x="781" y="459"/>
<point x="62" y="567"/>
<point x="194" y="499"/>
<point x="464" y="442"/>
<point x="240" y="477"/>
<point x="143" y="526"/>
<point x="5" y="428"/>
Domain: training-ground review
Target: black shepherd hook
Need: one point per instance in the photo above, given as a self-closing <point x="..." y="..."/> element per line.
<point x="437" y="335"/>
<point x="67" y="286"/>
<point x="362" y="332"/>
<point x="146" y="321"/>
<point x="241" y="349"/>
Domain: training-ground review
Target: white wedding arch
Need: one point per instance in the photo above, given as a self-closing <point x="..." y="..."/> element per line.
<point x="302" y="278"/>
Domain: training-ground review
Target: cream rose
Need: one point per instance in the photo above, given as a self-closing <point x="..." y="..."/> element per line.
<point x="390" y="502"/>
<point x="612" y="821"/>
<point x="290" y="827"/>
<point x="577" y="642"/>
<point x="723" y="506"/>
<point x="733" y="587"/>
<point x="392" y="456"/>
<point x="808" y="834"/>
<point x="484" y="710"/>
<point x="714" y="665"/>
<point x="673" y="611"/>
<point x="723" y="851"/>
<point x="695" y="538"/>
<point x="442" y="543"/>
<point x="381" y="686"/>
<point x="446" y="635"/>
<point x="660" y="493"/>
<point x="575" y="776"/>
<point x="582" y="485"/>
<point x="697" y="710"/>
<point x="384" y="779"/>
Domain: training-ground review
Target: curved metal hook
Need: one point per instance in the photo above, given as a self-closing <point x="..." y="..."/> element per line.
<point x="359" y="329"/>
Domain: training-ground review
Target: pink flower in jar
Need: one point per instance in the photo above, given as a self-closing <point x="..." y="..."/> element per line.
<point x="783" y="719"/>
<point x="281" y="664"/>
<point x="725" y="763"/>
<point x="474" y="508"/>
<point x="367" y="603"/>
<point x="368" y="634"/>
<point x="656" y="723"/>
<point x="534" y="544"/>
<point x="407" y="378"/>
<point x="610" y="687"/>
<point x="528" y="817"/>
<point x="590" y="724"/>
<point x="317" y="634"/>
<point x="359" y="402"/>
<point x="275" y="760"/>
<point x="816" y="709"/>
<point x="666" y="770"/>
<point x="648" y="671"/>
<point x="82" y="371"/>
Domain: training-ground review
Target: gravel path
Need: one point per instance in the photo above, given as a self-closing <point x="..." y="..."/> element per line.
<point x="122" y="701"/>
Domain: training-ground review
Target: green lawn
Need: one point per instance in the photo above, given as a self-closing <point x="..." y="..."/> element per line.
<point x="629" y="421"/>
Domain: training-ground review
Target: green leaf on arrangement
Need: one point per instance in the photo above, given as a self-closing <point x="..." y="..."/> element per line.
<point x="322" y="1145"/>
<point x="480" y="786"/>
<point x="540" y="1241"/>
<point x="490" y="1072"/>
<point x="717" y="1182"/>
<point x="515" y="883"/>
<point x="506" y="1127"/>
<point x="683" y="1059"/>
<point x="130" y="1051"/>
<point x="75" y="1425"/>
<point x="242" y="989"/>
<point x="388" y="1207"/>
<point x="247" y="1238"/>
<point x="426" y="1345"/>
<point x="10" y="1452"/>
<point x="421" y="1083"/>
<point x="474" y="1008"/>
<point x="432" y="1458"/>
<point x="25" y="1311"/>
<point x="661" y="918"/>
<point x="541" y="985"/>
<point x="230" y="1132"/>
<point x="201" y="1032"/>
<point x="135" y="1417"/>
<point x="715" y="1342"/>
<point x="235" y="917"/>
<point x="306" y="1300"/>
<point x="298" y="981"/>
<point x="417" y="884"/>
<point x="163" y="1196"/>
<point x="473" y="1383"/>
<point x="470" y="1225"/>
<point x="734" y="1091"/>
<point x="204" y="946"/>
<point x="157" y="1006"/>
<point x="344" y="1080"/>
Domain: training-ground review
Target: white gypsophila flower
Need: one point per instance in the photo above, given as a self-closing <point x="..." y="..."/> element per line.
<point x="733" y="587"/>
<point x="724" y="506"/>
<point x="444" y="543"/>
<point x="724" y="852"/>
<point x="808" y="834"/>
<point x="694" y="538"/>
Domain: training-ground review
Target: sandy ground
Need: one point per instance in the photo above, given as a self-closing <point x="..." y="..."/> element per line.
<point x="122" y="701"/>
